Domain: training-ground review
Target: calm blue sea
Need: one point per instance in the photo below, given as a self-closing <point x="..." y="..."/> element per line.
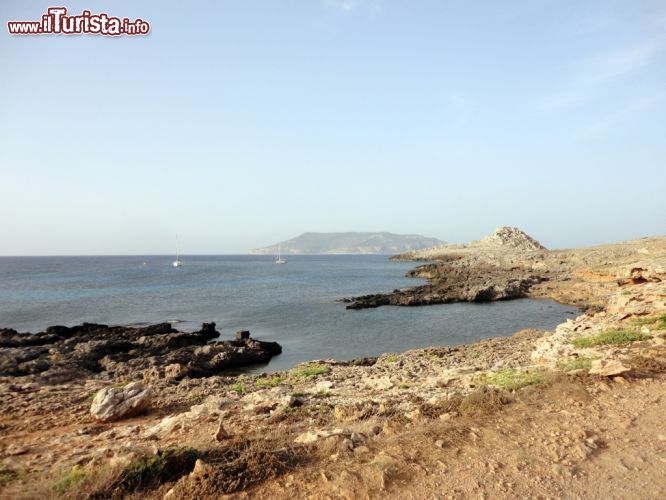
<point x="294" y="304"/>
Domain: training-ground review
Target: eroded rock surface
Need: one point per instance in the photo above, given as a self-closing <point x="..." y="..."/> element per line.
<point x="62" y="354"/>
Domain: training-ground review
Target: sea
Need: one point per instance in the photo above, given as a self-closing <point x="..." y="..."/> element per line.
<point x="297" y="304"/>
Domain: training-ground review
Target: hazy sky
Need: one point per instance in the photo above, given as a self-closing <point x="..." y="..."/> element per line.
<point x="236" y="124"/>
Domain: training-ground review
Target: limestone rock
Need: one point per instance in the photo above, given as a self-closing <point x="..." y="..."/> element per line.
<point x="608" y="368"/>
<point x="112" y="403"/>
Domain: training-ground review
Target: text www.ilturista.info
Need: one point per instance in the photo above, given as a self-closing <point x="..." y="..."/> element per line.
<point x="56" y="21"/>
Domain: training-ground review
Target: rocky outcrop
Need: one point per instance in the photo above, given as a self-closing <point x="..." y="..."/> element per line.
<point x="504" y="240"/>
<point x="502" y="266"/>
<point x="61" y="354"/>
<point x="512" y="237"/>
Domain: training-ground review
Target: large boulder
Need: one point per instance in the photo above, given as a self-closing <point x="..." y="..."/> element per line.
<point x="112" y="403"/>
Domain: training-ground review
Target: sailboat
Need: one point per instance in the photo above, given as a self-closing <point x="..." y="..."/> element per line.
<point x="279" y="259"/>
<point x="177" y="262"/>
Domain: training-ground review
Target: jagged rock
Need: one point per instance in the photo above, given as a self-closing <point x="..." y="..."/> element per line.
<point x="158" y="351"/>
<point x="111" y="403"/>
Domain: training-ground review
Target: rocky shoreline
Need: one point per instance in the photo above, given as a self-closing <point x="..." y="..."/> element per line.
<point x="62" y="354"/>
<point x="574" y="412"/>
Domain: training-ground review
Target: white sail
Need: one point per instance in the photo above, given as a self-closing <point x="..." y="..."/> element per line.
<point x="279" y="259"/>
<point x="177" y="262"/>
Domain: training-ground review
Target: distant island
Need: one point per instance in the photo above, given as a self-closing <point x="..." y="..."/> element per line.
<point x="350" y="243"/>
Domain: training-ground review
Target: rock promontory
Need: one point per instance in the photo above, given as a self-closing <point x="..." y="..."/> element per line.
<point x="502" y="266"/>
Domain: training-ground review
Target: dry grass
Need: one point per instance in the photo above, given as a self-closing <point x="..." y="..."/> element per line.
<point x="242" y="465"/>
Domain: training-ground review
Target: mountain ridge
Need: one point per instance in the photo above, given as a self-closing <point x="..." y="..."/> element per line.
<point x="351" y="242"/>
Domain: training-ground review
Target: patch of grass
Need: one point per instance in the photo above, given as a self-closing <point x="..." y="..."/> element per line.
<point x="609" y="337"/>
<point x="404" y="386"/>
<point x="238" y="387"/>
<point x="661" y="322"/>
<point x="511" y="379"/>
<point x="73" y="479"/>
<point x="150" y="472"/>
<point x="391" y="358"/>
<point x="658" y="321"/>
<point x="78" y="482"/>
<point x="268" y="381"/>
<point x="310" y="370"/>
<point x="322" y="394"/>
<point x="195" y="394"/>
<point x="299" y="394"/>
<point x="579" y="363"/>
<point x="6" y="475"/>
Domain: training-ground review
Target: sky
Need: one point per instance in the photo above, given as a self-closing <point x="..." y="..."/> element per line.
<point x="237" y="124"/>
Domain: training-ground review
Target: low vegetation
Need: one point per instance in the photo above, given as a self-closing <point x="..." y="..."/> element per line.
<point x="238" y="387"/>
<point x="391" y="358"/>
<point x="149" y="472"/>
<point x="571" y="364"/>
<point x="241" y="465"/>
<point x="512" y="379"/>
<point x="658" y="322"/>
<point x="264" y="382"/>
<point x="141" y="475"/>
<point x="309" y="370"/>
<point x="609" y="337"/>
<point x="6" y="475"/>
<point x="74" y="478"/>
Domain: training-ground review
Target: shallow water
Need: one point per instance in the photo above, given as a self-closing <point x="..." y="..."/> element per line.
<point x="294" y="304"/>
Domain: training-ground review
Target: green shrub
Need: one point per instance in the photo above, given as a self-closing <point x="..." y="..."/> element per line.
<point x="609" y="337"/>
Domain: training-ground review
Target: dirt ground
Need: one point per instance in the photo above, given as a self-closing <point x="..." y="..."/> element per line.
<point x="574" y="439"/>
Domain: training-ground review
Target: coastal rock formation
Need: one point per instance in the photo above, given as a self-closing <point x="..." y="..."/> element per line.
<point x="62" y="354"/>
<point x="504" y="240"/>
<point x="502" y="266"/>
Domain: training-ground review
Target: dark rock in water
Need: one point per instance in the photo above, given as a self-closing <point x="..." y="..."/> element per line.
<point x="61" y="353"/>
<point x="242" y="335"/>
<point x="209" y="332"/>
